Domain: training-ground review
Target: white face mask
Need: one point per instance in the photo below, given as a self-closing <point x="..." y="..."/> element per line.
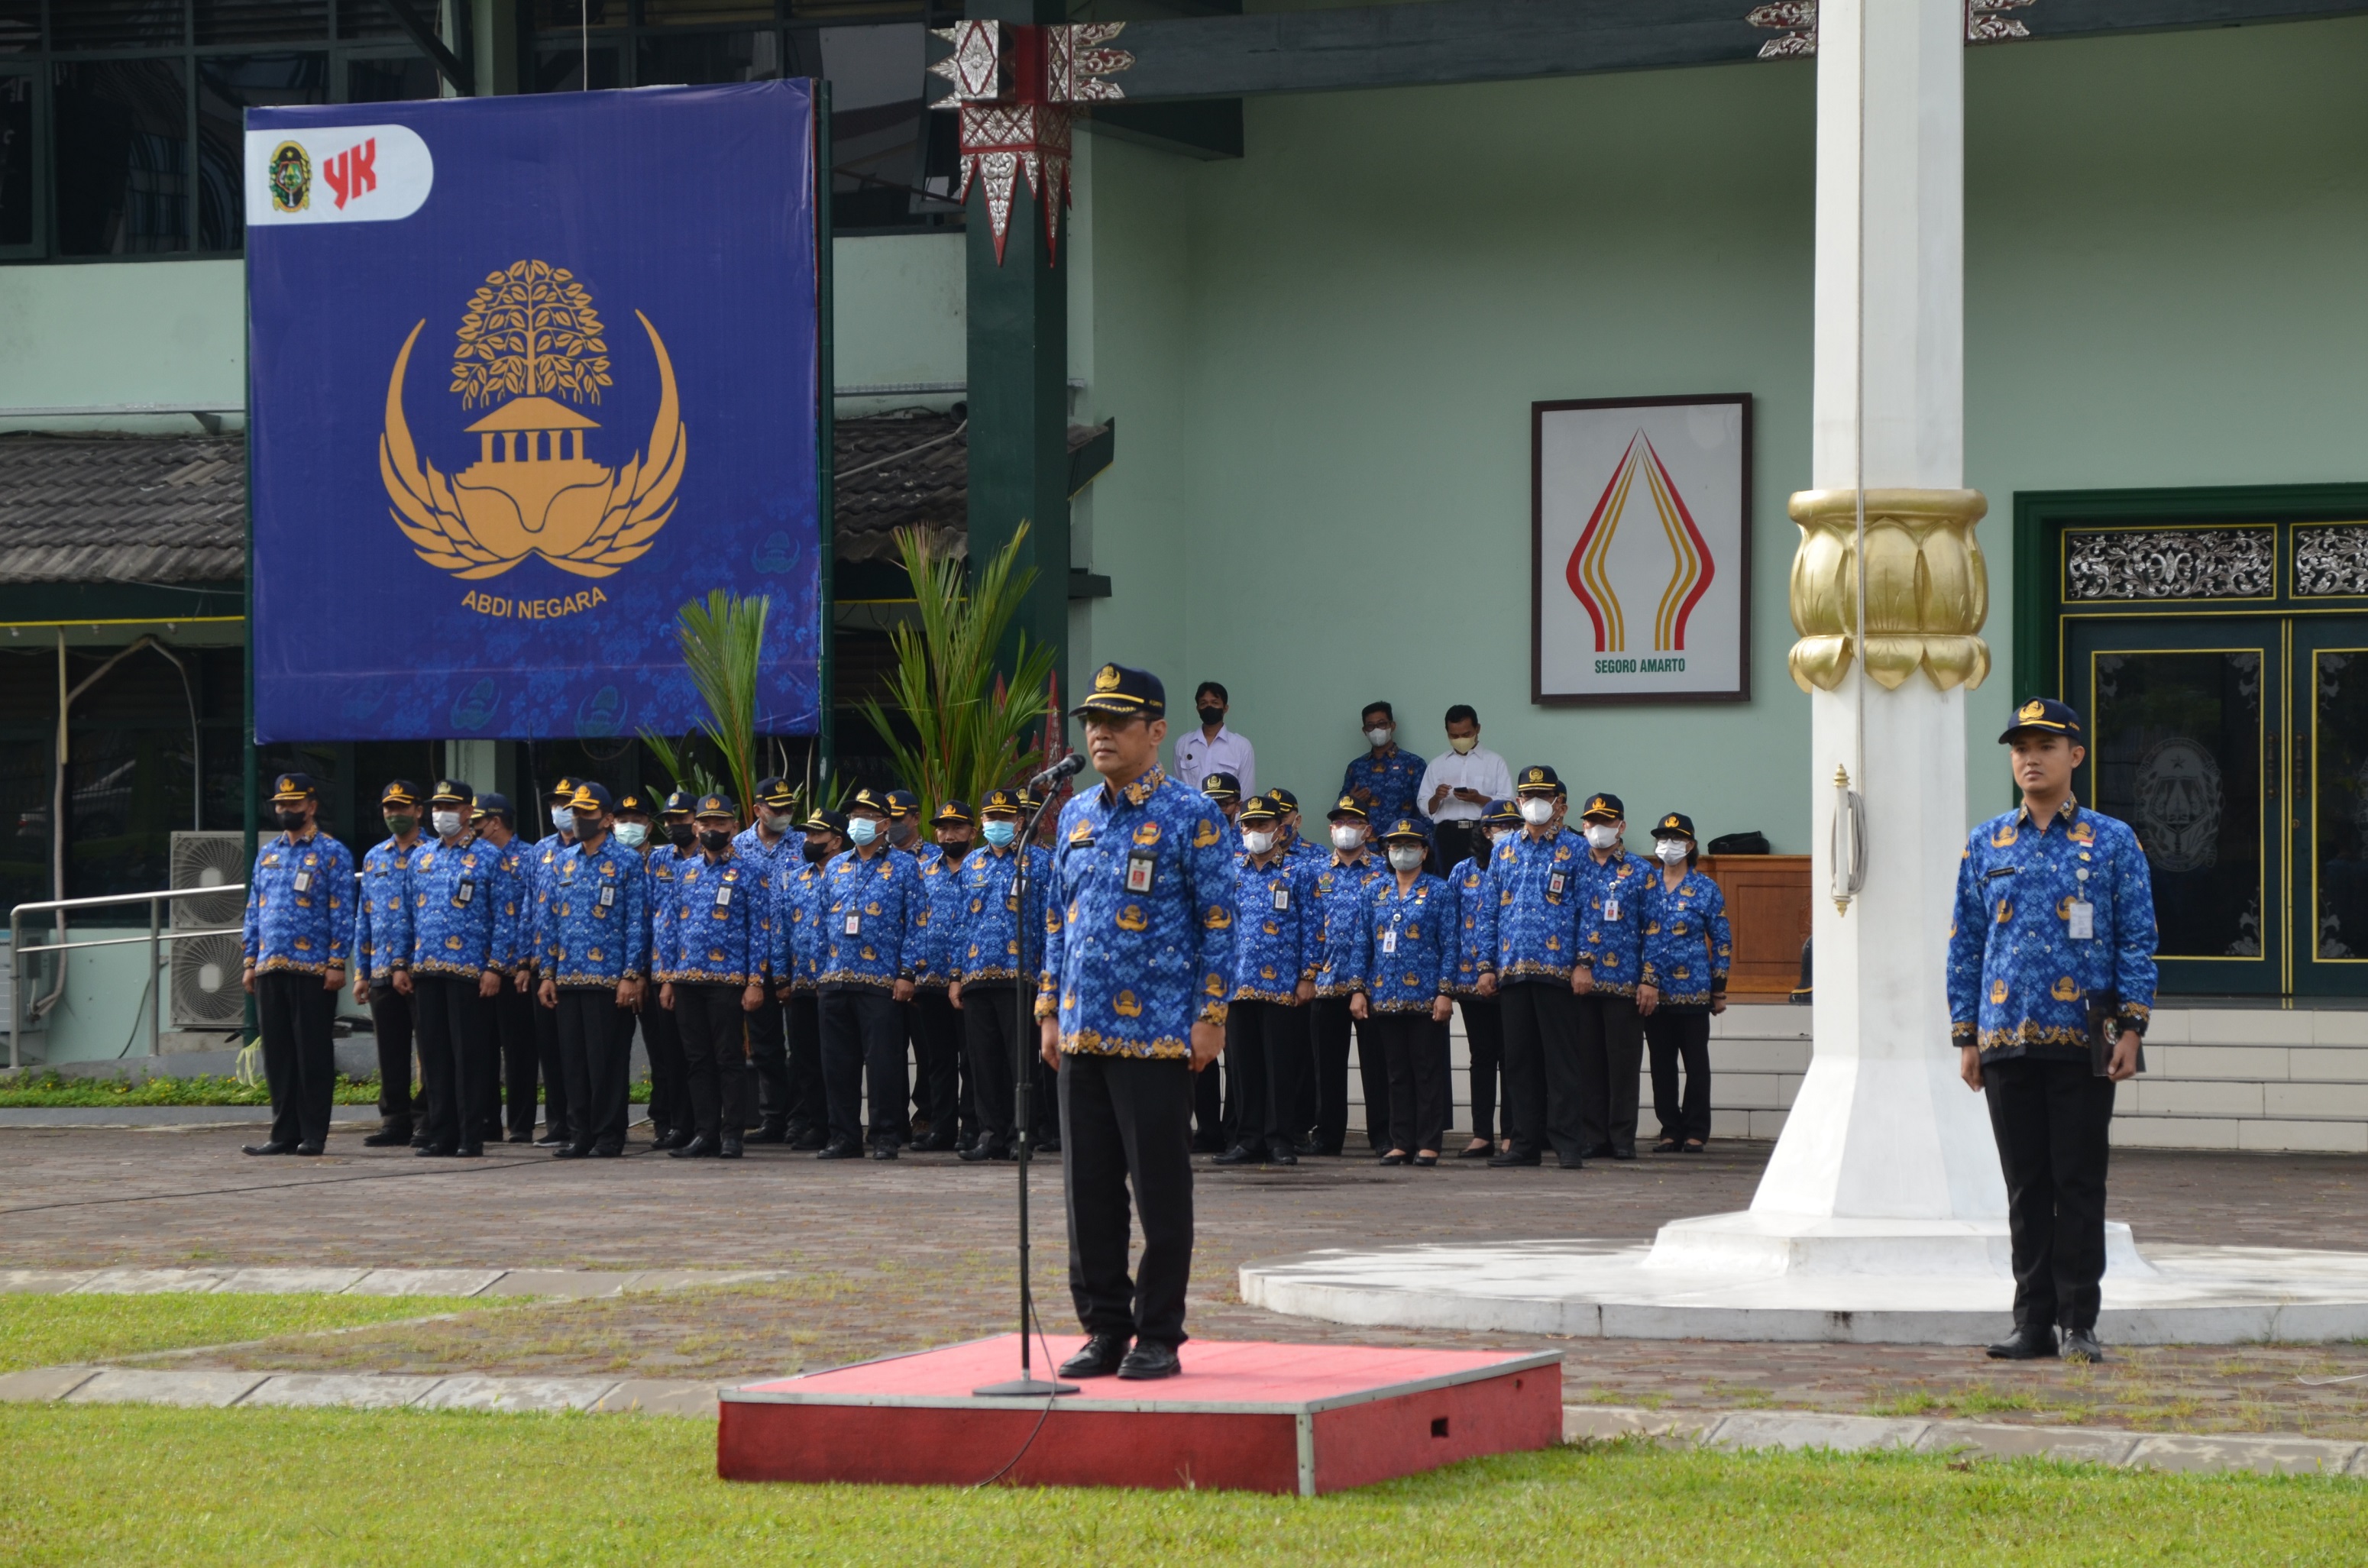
<point x="1379" y="736"/>
<point x="1673" y="851"/>
<point x="563" y="819"/>
<point x="632" y="833"/>
<point x="1463" y="744"/>
<point x="1537" y="811"/>
<point x="1601" y="834"/>
<point x="1345" y="837"/>
<point x="1257" y="841"/>
<point x="1406" y="857"/>
<point x="447" y="823"/>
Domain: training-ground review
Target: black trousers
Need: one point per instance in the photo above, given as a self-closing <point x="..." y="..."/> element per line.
<point x="1676" y="1038"/>
<point x="1542" y="1023"/>
<point x="991" y="1031"/>
<point x="1413" y="1050"/>
<point x="1611" y="1077"/>
<point x="1333" y="1026"/>
<point x="300" y="1061"/>
<point x="391" y="1022"/>
<point x="863" y="1037"/>
<point x="937" y="1051"/>
<point x="596" y="1046"/>
<point x="1266" y="1056"/>
<point x="455" y="1043"/>
<point x="1450" y="845"/>
<point x="514" y="1013"/>
<point x="669" y="1082"/>
<point x="809" y="1108"/>
<point x="1126" y="1124"/>
<point x="555" y="1118"/>
<point x="1484" y="1038"/>
<point x="2050" y="1119"/>
<point x="768" y="1064"/>
<point x="712" y="1027"/>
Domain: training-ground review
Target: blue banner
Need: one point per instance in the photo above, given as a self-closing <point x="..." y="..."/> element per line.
<point x="527" y="374"/>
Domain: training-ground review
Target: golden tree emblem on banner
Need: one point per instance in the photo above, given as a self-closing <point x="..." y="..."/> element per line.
<point x="530" y="330"/>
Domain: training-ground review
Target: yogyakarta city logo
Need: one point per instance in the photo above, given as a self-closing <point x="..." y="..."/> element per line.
<point x="532" y="338"/>
<point x="291" y="179"/>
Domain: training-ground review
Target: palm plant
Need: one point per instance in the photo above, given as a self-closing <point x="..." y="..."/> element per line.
<point x="969" y="726"/>
<point x="723" y="641"/>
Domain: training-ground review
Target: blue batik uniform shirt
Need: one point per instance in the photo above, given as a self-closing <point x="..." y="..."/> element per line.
<point x="1467" y="884"/>
<point x="1612" y="919"/>
<point x="2019" y="980"/>
<point x="1531" y="921"/>
<point x="382" y="921"/>
<point x="542" y="865"/>
<point x="787" y="853"/>
<point x="1405" y="945"/>
<point x="985" y="943"/>
<point x="1687" y="946"/>
<point x="594" y="919"/>
<point x="1392" y="781"/>
<point x="1274" y="918"/>
<point x="456" y="912"/>
<point x="797" y="924"/>
<point x="1339" y="894"/>
<point x="940" y="919"/>
<point x="299" y="905"/>
<point x="659" y="866"/>
<point x="721" y="923"/>
<point x="871" y="911"/>
<point x="1139" y="920"/>
<point x="514" y="905"/>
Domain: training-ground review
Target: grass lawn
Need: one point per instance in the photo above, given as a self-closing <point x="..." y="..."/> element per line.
<point x="51" y="1331"/>
<point x="126" y="1484"/>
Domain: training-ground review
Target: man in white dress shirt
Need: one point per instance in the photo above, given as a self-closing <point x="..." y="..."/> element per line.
<point x="1213" y="748"/>
<point x="1458" y="786"/>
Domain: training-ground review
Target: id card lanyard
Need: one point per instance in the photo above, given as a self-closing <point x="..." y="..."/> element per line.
<point x="2083" y="913"/>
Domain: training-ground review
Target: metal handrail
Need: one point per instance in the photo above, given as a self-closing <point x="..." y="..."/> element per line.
<point x="156" y="938"/>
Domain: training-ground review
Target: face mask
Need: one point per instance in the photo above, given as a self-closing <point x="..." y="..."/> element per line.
<point x="1257" y="843"/>
<point x="1345" y="837"/>
<point x="290" y="822"/>
<point x="903" y="832"/>
<point x="1601" y="834"/>
<point x="447" y="823"/>
<point x="1673" y="851"/>
<point x="401" y="825"/>
<point x="563" y="820"/>
<point x="1000" y="833"/>
<point x="863" y="830"/>
<point x="715" y="840"/>
<point x="816" y="851"/>
<point x="775" y="822"/>
<point x="1212" y="715"/>
<point x="1463" y="744"/>
<point x="631" y="834"/>
<point x="681" y="835"/>
<point x="1406" y="857"/>
<point x="1378" y="736"/>
<point x="1537" y="812"/>
<point x="584" y="827"/>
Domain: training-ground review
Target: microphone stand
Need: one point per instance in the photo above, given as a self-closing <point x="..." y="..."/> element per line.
<point x="1026" y="1385"/>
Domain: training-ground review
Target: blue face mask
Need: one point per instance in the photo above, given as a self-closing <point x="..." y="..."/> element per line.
<point x="1000" y="833"/>
<point x="862" y="830"/>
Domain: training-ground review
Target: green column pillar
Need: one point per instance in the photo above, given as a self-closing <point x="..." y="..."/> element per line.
<point x="1018" y="389"/>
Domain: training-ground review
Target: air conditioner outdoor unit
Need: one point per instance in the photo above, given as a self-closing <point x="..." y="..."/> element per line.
<point x="205" y="970"/>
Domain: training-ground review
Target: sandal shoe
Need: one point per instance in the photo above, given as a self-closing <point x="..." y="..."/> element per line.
<point x="1669" y="1146"/>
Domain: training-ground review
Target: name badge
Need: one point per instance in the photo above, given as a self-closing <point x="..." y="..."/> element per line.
<point x="607" y="897"/>
<point x="462" y="895"/>
<point x="855" y="926"/>
<point x="1612" y="909"/>
<point x="2084" y="921"/>
<point x="722" y="898"/>
<point x="1554" y="883"/>
<point x="1390" y="940"/>
<point x="1138" y="869"/>
<point x="303" y="882"/>
<point x="1282" y="899"/>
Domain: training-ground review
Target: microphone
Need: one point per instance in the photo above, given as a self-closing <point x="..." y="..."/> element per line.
<point x="1068" y="767"/>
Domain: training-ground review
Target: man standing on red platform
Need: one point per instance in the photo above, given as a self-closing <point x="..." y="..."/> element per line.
<point x="1138" y="943"/>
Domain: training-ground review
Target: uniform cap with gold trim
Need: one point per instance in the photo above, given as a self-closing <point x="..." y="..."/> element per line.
<point x="681" y="803"/>
<point x="1406" y="830"/>
<point x="291" y="788"/>
<point x="1005" y="800"/>
<point x="591" y="797"/>
<point x="2046" y="715"/>
<point x="1347" y="806"/>
<point x="872" y="801"/>
<point x="1537" y="779"/>
<point x="1123" y="691"/>
<point x="954" y="813"/>
<point x="492" y="803"/>
<point x="559" y="794"/>
<point x="633" y="801"/>
<point x="1603" y="808"/>
<point x="1222" y="787"/>
<point x="1677" y="825"/>
<point x="903" y="803"/>
<point x="451" y="792"/>
<point x="1502" y="813"/>
<point x="777" y="793"/>
<point x="1262" y="808"/>
<point x="825" y="822"/>
<point x="401" y="793"/>
<point x="1284" y="798"/>
<point x="716" y="806"/>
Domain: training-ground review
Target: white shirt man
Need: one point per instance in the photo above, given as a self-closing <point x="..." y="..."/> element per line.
<point x="1213" y="748"/>
<point x="1461" y="780"/>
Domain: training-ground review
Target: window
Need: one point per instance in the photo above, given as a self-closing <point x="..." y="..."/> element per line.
<point x="121" y="121"/>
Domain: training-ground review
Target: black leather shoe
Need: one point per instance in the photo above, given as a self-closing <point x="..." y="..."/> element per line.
<point x="420" y="1140"/>
<point x="572" y="1152"/>
<point x="984" y="1150"/>
<point x="1567" y="1164"/>
<point x="388" y="1138"/>
<point x="525" y="1137"/>
<point x="270" y="1147"/>
<point x="698" y="1148"/>
<point x="309" y="1151"/>
<point x="1306" y="1146"/>
<point x="608" y="1150"/>
<point x="2035" y="1345"/>
<point x="1600" y="1152"/>
<point x="935" y="1143"/>
<point x="469" y="1151"/>
<point x="432" y="1151"/>
<point x="884" y="1150"/>
<point x="1145" y="1362"/>
<point x="1281" y="1156"/>
<point x="1627" y="1154"/>
<point x="812" y="1139"/>
<point x="1239" y="1154"/>
<point x="550" y="1140"/>
<point x="731" y="1150"/>
<point x="770" y="1132"/>
<point x="1476" y="1152"/>
<point x="1395" y="1157"/>
<point x="1103" y="1355"/>
<point x="841" y="1149"/>
<point x="2080" y="1347"/>
<point x="1512" y="1157"/>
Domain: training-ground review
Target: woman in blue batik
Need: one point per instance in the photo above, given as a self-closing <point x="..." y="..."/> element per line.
<point x="1403" y="958"/>
<point x="1686" y="951"/>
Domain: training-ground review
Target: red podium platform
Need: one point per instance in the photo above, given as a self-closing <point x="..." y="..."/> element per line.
<point x="1257" y="1417"/>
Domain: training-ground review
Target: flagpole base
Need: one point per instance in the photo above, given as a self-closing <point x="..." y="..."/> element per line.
<point x="1023" y="1388"/>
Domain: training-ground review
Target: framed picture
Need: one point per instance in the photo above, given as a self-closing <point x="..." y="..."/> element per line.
<point x="1639" y="549"/>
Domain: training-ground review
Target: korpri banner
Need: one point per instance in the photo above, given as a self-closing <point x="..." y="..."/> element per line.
<point x="527" y="374"/>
